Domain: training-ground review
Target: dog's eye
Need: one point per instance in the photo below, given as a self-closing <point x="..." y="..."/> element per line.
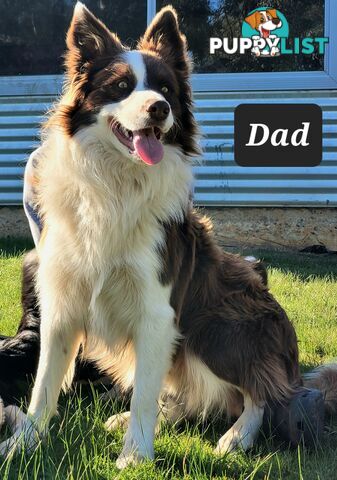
<point x="164" y="89"/>
<point x="123" y="85"/>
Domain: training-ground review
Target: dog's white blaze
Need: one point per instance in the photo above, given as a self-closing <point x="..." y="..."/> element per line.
<point x="136" y="61"/>
<point x="131" y="111"/>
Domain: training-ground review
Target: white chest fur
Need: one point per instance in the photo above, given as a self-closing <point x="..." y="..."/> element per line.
<point x="104" y="218"/>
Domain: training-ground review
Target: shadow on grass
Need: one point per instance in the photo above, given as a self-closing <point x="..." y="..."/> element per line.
<point x="304" y="265"/>
<point x="10" y="247"/>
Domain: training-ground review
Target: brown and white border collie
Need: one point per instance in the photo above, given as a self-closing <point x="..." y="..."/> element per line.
<point x="126" y="268"/>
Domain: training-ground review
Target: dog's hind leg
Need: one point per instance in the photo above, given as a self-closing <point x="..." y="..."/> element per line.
<point x="245" y="429"/>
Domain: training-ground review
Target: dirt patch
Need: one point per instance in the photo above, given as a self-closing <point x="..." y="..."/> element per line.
<point x="280" y="228"/>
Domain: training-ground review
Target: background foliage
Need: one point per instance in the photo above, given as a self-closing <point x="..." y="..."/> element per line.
<point x="32" y="33"/>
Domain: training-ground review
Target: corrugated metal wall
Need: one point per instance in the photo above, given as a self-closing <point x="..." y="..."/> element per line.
<point x="219" y="181"/>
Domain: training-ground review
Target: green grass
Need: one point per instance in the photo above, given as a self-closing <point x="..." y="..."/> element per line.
<point x="79" y="448"/>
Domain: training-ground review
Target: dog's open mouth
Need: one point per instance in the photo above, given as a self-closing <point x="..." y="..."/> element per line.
<point x="144" y="143"/>
<point x="265" y="32"/>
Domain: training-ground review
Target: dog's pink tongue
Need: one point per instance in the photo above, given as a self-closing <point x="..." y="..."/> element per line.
<point x="147" y="146"/>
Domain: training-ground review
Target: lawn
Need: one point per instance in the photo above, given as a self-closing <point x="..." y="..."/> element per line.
<point x="79" y="447"/>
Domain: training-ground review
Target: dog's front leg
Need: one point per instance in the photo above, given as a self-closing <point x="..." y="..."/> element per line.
<point x="60" y="340"/>
<point x="58" y="350"/>
<point x="154" y="342"/>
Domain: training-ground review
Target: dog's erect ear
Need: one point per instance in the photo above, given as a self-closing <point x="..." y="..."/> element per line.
<point x="88" y="37"/>
<point x="164" y="37"/>
<point x="252" y="20"/>
<point x="272" y="12"/>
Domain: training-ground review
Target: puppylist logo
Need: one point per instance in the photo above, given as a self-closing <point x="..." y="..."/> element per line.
<point x="265" y="33"/>
<point x="271" y="26"/>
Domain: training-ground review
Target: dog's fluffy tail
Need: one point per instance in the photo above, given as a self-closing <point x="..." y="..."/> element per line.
<point x="324" y="378"/>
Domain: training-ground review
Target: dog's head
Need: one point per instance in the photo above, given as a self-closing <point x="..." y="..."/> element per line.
<point x="264" y="21"/>
<point x="138" y="100"/>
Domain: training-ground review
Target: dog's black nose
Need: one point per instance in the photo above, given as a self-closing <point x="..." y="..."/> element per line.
<point x="276" y="21"/>
<point x="159" y="110"/>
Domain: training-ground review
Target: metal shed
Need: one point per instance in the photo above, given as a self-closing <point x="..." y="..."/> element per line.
<point x="219" y="180"/>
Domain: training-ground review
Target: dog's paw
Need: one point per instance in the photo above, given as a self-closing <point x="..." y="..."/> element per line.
<point x="25" y="435"/>
<point x="119" y="420"/>
<point x="136" y="449"/>
<point x="127" y="460"/>
<point x="233" y="440"/>
<point x="133" y="457"/>
<point x="15" y="418"/>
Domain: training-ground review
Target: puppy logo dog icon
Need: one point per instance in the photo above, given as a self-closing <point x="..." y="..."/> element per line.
<point x="265" y="26"/>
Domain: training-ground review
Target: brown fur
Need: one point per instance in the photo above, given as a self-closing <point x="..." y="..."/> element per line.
<point x="260" y="268"/>
<point x="227" y="315"/>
